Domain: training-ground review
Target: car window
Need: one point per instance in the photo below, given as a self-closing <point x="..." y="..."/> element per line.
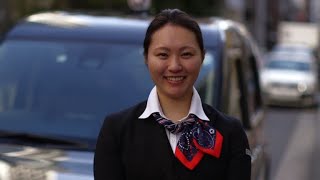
<point x="206" y="80"/>
<point x="68" y="86"/>
<point x="234" y="106"/>
<point x="253" y="86"/>
<point x="289" y="65"/>
<point x="235" y="82"/>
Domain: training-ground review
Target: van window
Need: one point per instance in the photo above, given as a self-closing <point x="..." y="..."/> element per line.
<point x="206" y="80"/>
<point x="63" y="84"/>
<point x="234" y="105"/>
<point x="252" y="79"/>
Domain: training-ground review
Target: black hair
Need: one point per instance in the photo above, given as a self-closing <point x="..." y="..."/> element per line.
<point x="175" y="17"/>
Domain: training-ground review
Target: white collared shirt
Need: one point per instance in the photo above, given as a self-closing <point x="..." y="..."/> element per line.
<point x="153" y="105"/>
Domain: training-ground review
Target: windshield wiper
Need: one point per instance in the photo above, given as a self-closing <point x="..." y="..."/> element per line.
<point x="29" y="138"/>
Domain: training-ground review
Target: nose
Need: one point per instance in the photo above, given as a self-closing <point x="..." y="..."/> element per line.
<point x="175" y="64"/>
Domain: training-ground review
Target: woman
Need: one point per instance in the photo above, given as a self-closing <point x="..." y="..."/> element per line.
<point x="172" y="135"/>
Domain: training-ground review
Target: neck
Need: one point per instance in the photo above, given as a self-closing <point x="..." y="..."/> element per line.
<point x="175" y="109"/>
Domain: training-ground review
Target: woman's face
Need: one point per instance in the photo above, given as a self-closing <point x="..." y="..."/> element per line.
<point x="174" y="60"/>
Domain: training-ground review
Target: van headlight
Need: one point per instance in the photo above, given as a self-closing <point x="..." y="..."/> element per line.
<point x="302" y="87"/>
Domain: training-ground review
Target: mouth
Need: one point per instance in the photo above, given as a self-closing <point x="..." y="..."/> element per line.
<point x="175" y="79"/>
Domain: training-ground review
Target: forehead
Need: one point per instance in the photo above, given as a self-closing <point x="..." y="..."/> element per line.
<point x="173" y="34"/>
<point x="173" y="27"/>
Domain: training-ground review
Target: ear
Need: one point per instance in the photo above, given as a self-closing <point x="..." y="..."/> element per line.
<point x="203" y="54"/>
<point x="146" y="61"/>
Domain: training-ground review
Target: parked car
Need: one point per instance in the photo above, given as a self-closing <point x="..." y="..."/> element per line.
<point x="301" y="49"/>
<point x="290" y="79"/>
<point x="62" y="73"/>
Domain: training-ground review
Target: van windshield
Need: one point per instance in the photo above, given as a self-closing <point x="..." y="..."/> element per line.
<point x="67" y="88"/>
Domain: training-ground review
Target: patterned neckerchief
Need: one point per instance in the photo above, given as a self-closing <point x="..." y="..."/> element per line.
<point x="197" y="138"/>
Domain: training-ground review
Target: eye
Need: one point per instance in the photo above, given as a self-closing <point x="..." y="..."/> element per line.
<point x="187" y="55"/>
<point x="162" y="55"/>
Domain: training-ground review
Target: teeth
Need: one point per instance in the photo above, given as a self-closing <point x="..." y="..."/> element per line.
<point x="174" y="78"/>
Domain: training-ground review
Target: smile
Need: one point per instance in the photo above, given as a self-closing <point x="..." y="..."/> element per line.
<point x="175" y="78"/>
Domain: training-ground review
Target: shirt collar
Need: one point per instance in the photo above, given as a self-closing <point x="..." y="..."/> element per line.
<point x="153" y="105"/>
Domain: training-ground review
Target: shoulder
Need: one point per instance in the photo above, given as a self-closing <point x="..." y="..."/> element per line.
<point x="234" y="135"/>
<point x="222" y="121"/>
<point x="121" y="117"/>
<point x="114" y="122"/>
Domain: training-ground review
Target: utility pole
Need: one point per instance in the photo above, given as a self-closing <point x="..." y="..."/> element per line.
<point x="314" y="9"/>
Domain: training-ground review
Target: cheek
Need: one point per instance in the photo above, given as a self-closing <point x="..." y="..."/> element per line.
<point x="155" y="68"/>
<point x="194" y="67"/>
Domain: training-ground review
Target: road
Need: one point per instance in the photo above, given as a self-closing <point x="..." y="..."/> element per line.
<point x="293" y="136"/>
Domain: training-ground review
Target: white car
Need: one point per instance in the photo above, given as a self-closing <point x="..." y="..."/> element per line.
<point x="290" y="79"/>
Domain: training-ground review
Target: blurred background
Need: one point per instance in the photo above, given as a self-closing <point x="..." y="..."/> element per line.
<point x="287" y="34"/>
<point x="262" y="17"/>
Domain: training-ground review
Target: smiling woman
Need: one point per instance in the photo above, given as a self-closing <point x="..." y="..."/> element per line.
<point x="174" y="60"/>
<point x="172" y="135"/>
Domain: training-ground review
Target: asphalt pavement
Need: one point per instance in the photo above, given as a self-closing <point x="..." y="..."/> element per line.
<point x="294" y="143"/>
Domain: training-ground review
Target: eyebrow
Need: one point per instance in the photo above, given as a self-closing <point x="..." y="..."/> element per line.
<point x="188" y="47"/>
<point x="162" y="48"/>
<point x="168" y="49"/>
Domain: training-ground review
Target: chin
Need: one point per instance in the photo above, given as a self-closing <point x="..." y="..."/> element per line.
<point x="177" y="95"/>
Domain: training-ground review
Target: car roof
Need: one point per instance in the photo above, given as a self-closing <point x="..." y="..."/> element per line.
<point x="60" y="25"/>
<point x="66" y="26"/>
